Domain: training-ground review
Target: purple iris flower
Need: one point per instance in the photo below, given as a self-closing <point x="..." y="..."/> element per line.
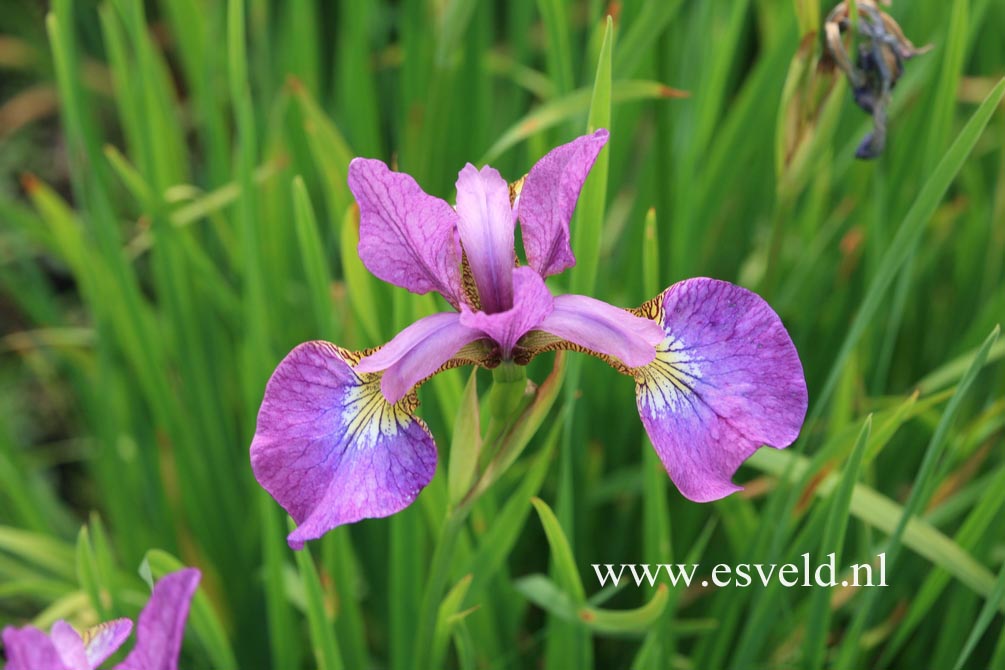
<point x="337" y="441"/>
<point x="158" y="638"/>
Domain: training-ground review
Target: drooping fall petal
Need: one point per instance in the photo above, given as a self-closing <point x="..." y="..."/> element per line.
<point x="726" y="379"/>
<point x="406" y="237"/>
<point x="330" y="448"/>
<point x="548" y="199"/>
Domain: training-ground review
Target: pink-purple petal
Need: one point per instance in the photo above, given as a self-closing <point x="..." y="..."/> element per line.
<point x="548" y="199"/>
<point x="161" y="626"/>
<point x="63" y="648"/>
<point x="103" y="640"/>
<point x="70" y="646"/>
<point x="29" y="648"/>
<point x="331" y="450"/>
<point x="417" y="352"/>
<point x="406" y="237"/>
<point x="532" y="303"/>
<point x="726" y="380"/>
<point x="604" y="329"/>
<point x="486" y="222"/>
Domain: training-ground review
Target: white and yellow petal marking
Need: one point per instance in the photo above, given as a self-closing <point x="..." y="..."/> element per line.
<point x="670" y="380"/>
<point x="726" y="379"/>
<point x="368" y="416"/>
<point x="103" y="640"/>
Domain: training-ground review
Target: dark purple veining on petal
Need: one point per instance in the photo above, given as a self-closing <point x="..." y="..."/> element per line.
<point x="406" y="237"/>
<point x="331" y="450"/>
<point x="726" y="380"/>
<point x="548" y="199"/>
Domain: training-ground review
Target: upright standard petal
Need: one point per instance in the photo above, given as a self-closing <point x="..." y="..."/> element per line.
<point x="162" y="623"/>
<point x="604" y="329"/>
<point x="103" y="640"/>
<point x="548" y="199"/>
<point x="532" y="303"/>
<point x="406" y="237"/>
<point x="29" y="648"/>
<point x="486" y="221"/>
<point x="417" y="352"/>
<point x="726" y="379"/>
<point x="330" y="449"/>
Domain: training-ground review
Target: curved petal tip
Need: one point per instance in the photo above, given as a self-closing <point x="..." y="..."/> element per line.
<point x="548" y="199"/>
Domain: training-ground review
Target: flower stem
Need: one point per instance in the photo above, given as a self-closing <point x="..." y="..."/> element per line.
<point x="509" y="385"/>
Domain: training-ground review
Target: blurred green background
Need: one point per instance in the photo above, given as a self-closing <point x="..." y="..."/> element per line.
<point x="174" y="218"/>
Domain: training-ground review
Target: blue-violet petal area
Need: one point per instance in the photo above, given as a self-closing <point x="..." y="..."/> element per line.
<point x="726" y="380"/>
<point x="329" y="447"/>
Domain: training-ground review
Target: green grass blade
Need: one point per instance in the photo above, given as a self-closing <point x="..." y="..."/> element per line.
<point x="920" y="493"/>
<point x="910" y="229"/>
<point x="561" y="552"/>
<point x="995" y="604"/>
<point x="314" y="263"/>
<point x="326" y="651"/>
<point x="815" y="642"/>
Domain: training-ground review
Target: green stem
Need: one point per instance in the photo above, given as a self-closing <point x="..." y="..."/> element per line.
<point x="509" y="384"/>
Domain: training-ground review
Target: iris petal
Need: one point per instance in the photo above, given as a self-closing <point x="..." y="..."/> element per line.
<point x="70" y="646"/>
<point x="417" y="352"/>
<point x="486" y="222"/>
<point x="161" y="625"/>
<point x="726" y="379"/>
<point x="532" y="303"/>
<point x="29" y="648"/>
<point x="406" y="237"/>
<point x="548" y="198"/>
<point x="103" y="640"/>
<point x="330" y="449"/>
<point x="63" y="648"/>
<point x="604" y="329"/>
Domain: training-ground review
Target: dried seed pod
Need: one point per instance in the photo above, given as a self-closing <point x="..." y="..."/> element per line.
<point x="880" y="49"/>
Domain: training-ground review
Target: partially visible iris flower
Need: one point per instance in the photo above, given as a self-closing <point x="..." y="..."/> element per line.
<point x="158" y="637"/>
<point x="337" y="441"/>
